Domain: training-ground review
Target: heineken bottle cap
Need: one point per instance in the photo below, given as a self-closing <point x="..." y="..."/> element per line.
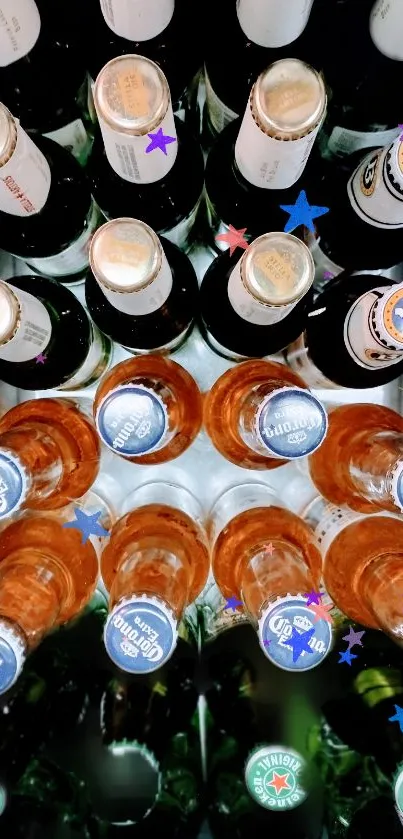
<point x="291" y="423"/>
<point x="387" y="317"/>
<point x="291" y="636"/>
<point x="140" y="634"/>
<point x="132" y="420"/>
<point x="398" y="789"/>
<point x="13" y="483"/>
<point x="273" y="777"/>
<point x="12" y="655"/>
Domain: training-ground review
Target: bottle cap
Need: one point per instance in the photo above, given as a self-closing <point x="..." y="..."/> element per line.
<point x="12" y="656"/>
<point x="132" y="95"/>
<point x="277" y="268"/>
<point x="140" y="634"/>
<point x="396" y="484"/>
<point x="291" y="423"/>
<point x="8" y="134"/>
<point x="125" y="255"/>
<point x="132" y="420"/>
<point x="387" y="317"/>
<point x="398" y="789"/>
<point x="288" y="99"/>
<point x="13" y="483"/>
<point x="272" y="777"/>
<point x="9" y="313"/>
<point x="276" y="627"/>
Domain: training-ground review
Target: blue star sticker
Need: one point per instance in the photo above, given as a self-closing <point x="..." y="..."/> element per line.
<point x="299" y="642"/>
<point x="232" y="603"/>
<point x="159" y="141"/>
<point x="302" y="213"/>
<point x="398" y="717"/>
<point x="87" y="524"/>
<point x="346" y="657"/>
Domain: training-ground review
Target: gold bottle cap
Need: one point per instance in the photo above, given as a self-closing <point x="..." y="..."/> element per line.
<point x="288" y="99"/>
<point x="132" y="94"/>
<point x="125" y="255"/>
<point x="9" y="313"/>
<point x="277" y="268"/>
<point x="8" y="134"/>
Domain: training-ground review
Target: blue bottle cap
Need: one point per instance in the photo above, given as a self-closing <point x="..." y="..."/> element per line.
<point x="291" y="423"/>
<point x="12" y="656"/>
<point x="13" y="483"/>
<point x="282" y="622"/>
<point x="140" y="634"/>
<point x="132" y="420"/>
<point x="396" y="484"/>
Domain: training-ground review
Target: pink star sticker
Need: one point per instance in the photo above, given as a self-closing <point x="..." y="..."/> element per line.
<point x="234" y="237"/>
<point x="269" y="549"/>
<point x="40" y="359"/>
<point x="321" y="612"/>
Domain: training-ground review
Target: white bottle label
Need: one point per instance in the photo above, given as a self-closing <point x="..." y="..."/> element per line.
<point x="332" y="522"/>
<point x="386" y="28"/>
<point x="323" y="265"/>
<point x="375" y="189"/>
<point x="179" y="235"/>
<point x="127" y="153"/>
<point x="20" y="26"/>
<point x="75" y="258"/>
<point x="92" y="366"/>
<point x="297" y="357"/>
<point x="344" y="141"/>
<point x="219" y="114"/>
<point x="146" y="300"/>
<point x="137" y="20"/>
<point x="267" y="162"/>
<point x="273" y="23"/>
<point x="360" y="340"/>
<point x="72" y="137"/>
<point x="33" y="332"/>
<point x="250" y="309"/>
<point x="24" y="179"/>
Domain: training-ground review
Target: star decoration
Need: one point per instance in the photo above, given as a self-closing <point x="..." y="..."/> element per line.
<point x="267" y="643"/>
<point x="269" y="549"/>
<point x="398" y="717"/>
<point x="233" y="603"/>
<point x="353" y="638"/>
<point x="234" y="237"/>
<point x="299" y="642"/>
<point x="279" y="782"/>
<point x="302" y="213"/>
<point x="313" y="597"/>
<point x="346" y="657"/>
<point x="327" y="275"/>
<point x="321" y="612"/>
<point x="87" y="524"/>
<point x="40" y="359"/>
<point x="159" y="141"/>
<point x="400" y="125"/>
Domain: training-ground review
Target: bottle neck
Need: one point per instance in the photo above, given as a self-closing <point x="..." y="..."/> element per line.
<point x="153" y="568"/>
<point x="375" y="190"/>
<point x="139" y="20"/>
<point x="25" y="178"/>
<point x="39" y="457"/>
<point x="248" y="307"/>
<point x="385" y="28"/>
<point x="278" y="568"/>
<point x="33" y="330"/>
<point x="20" y="25"/>
<point x="272" y="23"/>
<point x="145" y="300"/>
<point x="381" y="590"/>
<point x="375" y="466"/>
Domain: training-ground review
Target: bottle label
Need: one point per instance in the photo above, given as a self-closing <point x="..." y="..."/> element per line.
<point x="140" y="636"/>
<point x="385" y="28"/>
<point x="20" y="26"/>
<point x="345" y="141"/>
<point x="375" y="189"/>
<point x="272" y="777"/>
<point x="297" y="357"/>
<point x="287" y="618"/>
<point x="75" y="258"/>
<point x="127" y="153"/>
<point x="291" y="423"/>
<point x="332" y="522"/>
<point x="219" y="114"/>
<point x="278" y="270"/>
<point x="267" y="162"/>
<point x="94" y="364"/>
<point x="323" y="265"/>
<point x="137" y="20"/>
<point x="13" y="484"/>
<point x="25" y="178"/>
<point x="34" y="329"/>
<point x="179" y="235"/>
<point x="360" y="339"/>
<point x="132" y="421"/>
<point x="145" y="300"/>
<point x="275" y="24"/>
<point x="74" y="138"/>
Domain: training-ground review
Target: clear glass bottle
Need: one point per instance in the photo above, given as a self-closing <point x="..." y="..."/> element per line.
<point x="260" y="415"/>
<point x="49" y="455"/>
<point x="252" y="305"/>
<point x="141" y="291"/>
<point x="148" y="409"/>
<point x="46" y="337"/>
<point x="160" y="185"/>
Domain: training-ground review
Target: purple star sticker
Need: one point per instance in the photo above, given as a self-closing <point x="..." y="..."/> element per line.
<point x="40" y="359"/>
<point x="400" y="125"/>
<point x="159" y="141"/>
<point x="353" y="638"/>
<point x="313" y="597"/>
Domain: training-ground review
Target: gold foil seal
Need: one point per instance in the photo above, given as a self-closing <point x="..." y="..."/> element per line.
<point x="10" y="313"/>
<point x="277" y="269"/>
<point x="131" y="94"/>
<point x="125" y="255"/>
<point x="288" y="99"/>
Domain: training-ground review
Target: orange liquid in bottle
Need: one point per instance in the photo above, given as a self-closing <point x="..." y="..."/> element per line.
<point x="46" y="577"/>
<point x="236" y="401"/>
<point x="52" y="450"/>
<point x="148" y="409"/>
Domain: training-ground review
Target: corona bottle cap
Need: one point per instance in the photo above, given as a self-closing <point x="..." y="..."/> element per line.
<point x="12" y="656"/>
<point x="291" y="423"/>
<point x="396" y="484"/>
<point x="140" y="634"/>
<point x="132" y="420"/>
<point x="285" y="617"/>
<point x="13" y="483"/>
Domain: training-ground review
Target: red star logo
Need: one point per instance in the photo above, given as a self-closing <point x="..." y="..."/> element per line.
<point x="321" y="612"/>
<point x="234" y="237"/>
<point x="279" y="782"/>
